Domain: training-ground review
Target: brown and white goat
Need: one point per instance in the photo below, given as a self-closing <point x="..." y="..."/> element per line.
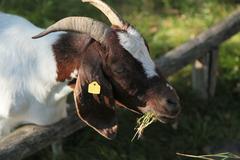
<point x="37" y="74"/>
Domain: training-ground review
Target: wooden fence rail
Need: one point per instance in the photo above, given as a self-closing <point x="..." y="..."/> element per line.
<point x="30" y="139"/>
<point x="181" y="56"/>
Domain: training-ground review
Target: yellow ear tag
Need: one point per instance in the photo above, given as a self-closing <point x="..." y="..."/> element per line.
<point x="94" y="88"/>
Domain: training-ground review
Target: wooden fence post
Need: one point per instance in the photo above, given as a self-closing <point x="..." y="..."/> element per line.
<point x="204" y="74"/>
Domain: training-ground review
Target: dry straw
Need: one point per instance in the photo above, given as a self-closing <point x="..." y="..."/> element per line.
<point x="218" y="156"/>
<point x="143" y="122"/>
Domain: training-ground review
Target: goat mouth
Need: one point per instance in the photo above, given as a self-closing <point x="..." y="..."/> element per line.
<point x="164" y="118"/>
<point x="161" y="116"/>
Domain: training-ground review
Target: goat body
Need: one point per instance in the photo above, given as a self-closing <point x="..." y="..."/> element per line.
<point x="29" y="90"/>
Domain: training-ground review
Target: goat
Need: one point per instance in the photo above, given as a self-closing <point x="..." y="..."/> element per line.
<point x="37" y="73"/>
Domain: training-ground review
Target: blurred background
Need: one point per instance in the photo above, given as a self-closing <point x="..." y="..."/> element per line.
<point x="165" y="24"/>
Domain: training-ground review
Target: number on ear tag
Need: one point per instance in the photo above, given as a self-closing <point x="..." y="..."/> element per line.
<point x="94" y="88"/>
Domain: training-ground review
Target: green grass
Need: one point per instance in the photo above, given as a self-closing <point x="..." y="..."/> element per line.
<point x="165" y="24"/>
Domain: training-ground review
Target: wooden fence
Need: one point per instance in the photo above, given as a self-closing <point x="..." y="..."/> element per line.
<point x="202" y="51"/>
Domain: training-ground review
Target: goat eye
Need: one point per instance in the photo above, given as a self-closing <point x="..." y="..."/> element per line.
<point x="119" y="70"/>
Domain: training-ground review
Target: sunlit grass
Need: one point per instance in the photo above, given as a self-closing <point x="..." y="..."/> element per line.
<point x="165" y="31"/>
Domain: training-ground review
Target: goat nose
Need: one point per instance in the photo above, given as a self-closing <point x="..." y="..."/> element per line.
<point x="172" y="106"/>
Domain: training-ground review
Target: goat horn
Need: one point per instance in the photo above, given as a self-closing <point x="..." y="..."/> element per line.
<point x="95" y="29"/>
<point x="111" y="14"/>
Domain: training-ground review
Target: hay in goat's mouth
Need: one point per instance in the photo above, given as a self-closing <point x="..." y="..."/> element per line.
<point x="143" y="122"/>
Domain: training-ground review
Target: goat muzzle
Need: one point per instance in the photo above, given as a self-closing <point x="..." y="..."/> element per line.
<point x="166" y="111"/>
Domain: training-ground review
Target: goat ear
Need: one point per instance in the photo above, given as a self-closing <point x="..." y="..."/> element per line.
<point x="96" y="110"/>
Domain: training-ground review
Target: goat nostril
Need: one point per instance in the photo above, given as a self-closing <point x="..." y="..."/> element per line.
<point x="172" y="106"/>
<point x="171" y="102"/>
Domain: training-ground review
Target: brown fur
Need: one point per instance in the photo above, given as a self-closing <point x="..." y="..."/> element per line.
<point x="68" y="51"/>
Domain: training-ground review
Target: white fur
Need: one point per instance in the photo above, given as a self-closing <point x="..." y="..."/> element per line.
<point x="133" y="42"/>
<point x="29" y="92"/>
<point x="74" y="74"/>
<point x="169" y="86"/>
